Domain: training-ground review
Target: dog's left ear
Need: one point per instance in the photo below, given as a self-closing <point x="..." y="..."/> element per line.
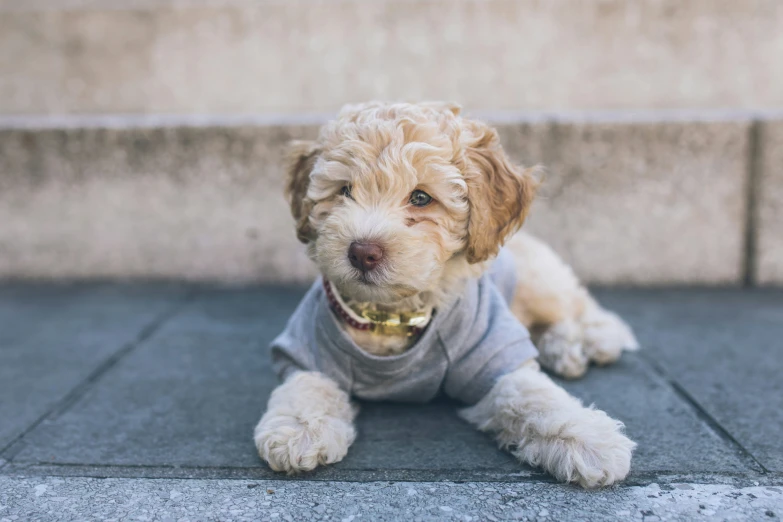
<point x="499" y="192"/>
<point x="300" y="159"/>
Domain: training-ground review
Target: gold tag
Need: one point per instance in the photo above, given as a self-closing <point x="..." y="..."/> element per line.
<point x="390" y="323"/>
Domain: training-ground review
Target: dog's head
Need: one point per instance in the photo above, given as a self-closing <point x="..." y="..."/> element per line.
<point x="393" y="198"/>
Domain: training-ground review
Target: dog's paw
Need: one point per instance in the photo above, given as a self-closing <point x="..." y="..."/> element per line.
<point x="544" y="426"/>
<point x="291" y="444"/>
<point x="606" y="336"/>
<point x="561" y="351"/>
<point x="589" y="449"/>
<point x="308" y="422"/>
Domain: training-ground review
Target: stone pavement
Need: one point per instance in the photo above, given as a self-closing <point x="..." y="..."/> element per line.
<point x="158" y="386"/>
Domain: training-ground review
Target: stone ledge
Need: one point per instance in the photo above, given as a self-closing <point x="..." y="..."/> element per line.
<point x="649" y="202"/>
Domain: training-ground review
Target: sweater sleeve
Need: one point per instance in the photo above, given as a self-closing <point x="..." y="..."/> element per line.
<point x="294" y="349"/>
<point x="487" y="343"/>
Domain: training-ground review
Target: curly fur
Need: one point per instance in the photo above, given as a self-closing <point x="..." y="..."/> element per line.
<point x="568" y="325"/>
<point x="384" y="152"/>
<point x="544" y="426"/>
<point x="308" y="422"/>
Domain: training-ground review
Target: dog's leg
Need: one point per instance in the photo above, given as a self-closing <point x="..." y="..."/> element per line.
<point x="549" y="300"/>
<point x="560" y="348"/>
<point x="544" y="426"/>
<point x="605" y="334"/>
<point x="308" y="422"/>
<point x="569" y="327"/>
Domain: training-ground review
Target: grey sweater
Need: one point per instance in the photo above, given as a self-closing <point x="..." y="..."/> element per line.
<point x="469" y="344"/>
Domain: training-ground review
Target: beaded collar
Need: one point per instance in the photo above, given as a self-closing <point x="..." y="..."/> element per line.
<point x="380" y="322"/>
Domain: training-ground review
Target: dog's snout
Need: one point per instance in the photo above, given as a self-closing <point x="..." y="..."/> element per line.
<point x="365" y="256"/>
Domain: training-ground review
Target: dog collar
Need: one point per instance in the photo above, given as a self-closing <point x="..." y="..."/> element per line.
<point x="377" y="321"/>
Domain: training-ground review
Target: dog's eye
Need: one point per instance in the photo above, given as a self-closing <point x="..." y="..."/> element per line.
<point x="419" y="198"/>
<point x="346" y="191"/>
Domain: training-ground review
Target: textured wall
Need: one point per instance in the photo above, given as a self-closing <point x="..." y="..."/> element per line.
<point x="201" y="56"/>
<point x="652" y="202"/>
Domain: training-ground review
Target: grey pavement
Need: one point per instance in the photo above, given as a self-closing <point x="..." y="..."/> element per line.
<point x="157" y="387"/>
<point x="220" y="499"/>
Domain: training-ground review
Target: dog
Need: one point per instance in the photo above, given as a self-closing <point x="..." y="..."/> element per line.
<point x="411" y="213"/>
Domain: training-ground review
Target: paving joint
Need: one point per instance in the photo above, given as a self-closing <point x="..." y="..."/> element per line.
<point x="751" y="205"/>
<point x="457" y="476"/>
<point x="10" y="450"/>
<point x="704" y="415"/>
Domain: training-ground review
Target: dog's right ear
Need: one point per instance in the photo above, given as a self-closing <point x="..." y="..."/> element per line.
<point x="300" y="159"/>
<point x="499" y="192"/>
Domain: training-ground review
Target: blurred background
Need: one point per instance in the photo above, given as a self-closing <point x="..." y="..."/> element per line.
<point x="141" y="139"/>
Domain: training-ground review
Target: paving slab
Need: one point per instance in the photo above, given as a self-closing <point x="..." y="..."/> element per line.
<point x="203" y="378"/>
<point x="724" y="349"/>
<point x="192" y="394"/>
<point x="671" y="435"/>
<point x="54" y="337"/>
<point x="185" y="401"/>
<point x="24" y="307"/>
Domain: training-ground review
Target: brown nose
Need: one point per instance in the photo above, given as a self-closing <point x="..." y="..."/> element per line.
<point x="365" y="256"/>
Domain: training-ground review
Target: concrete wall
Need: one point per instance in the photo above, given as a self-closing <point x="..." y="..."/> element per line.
<point x="248" y="56"/>
<point x="195" y="203"/>
<point x="627" y="200"/>
<point x="641" y="202"/>
<point x="125" y="149"/>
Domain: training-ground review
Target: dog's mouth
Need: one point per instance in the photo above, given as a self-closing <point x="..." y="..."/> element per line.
<point x="374" y="278"/>
<point x="374" y="287"/>
<point x="366" y="279"/>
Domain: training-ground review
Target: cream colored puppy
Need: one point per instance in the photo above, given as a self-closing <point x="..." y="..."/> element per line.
<point x="405" y="208"/>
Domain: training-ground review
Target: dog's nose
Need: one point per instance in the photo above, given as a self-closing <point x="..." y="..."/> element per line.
<point x="365" y="256"/>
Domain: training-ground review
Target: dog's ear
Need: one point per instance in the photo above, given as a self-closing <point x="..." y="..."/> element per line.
<point x="300" y="159"/>
<point x="499" y="192"/>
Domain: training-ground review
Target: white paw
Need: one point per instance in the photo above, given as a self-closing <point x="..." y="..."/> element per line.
<point x="544" y="426"/>
<point x="589" y="449"/>
<point x="308" y="422"/>
<point x="290" y="444"/>
<point x="560" y="350"/>
<point x="606" y="336"/>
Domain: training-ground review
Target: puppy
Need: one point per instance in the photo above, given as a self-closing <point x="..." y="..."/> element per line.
<point x="404" y="208"/>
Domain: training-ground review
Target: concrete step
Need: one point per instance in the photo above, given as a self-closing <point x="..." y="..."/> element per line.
<point x="238" y="56"/>
<point x="666" y="198"/>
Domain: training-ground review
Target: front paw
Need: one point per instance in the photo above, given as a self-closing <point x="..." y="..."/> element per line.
<point x="293" y="444"/>
<point x="589" y="449"/>
<point x="560" y="349"/>
<point x="606" y="336"/>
